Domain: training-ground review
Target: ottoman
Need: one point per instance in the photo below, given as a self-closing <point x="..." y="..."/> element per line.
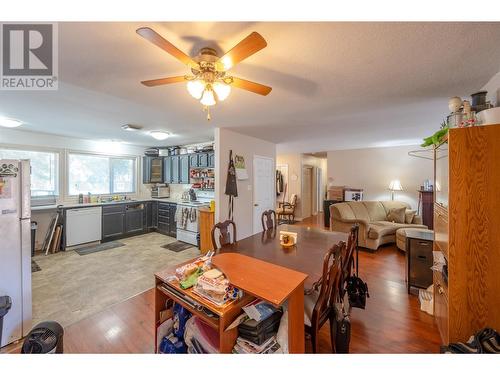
<point x="401" y="236"/>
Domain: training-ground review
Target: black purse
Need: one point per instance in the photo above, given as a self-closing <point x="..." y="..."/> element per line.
<point x="342" y="328"/>
<point x="356" y="288"/>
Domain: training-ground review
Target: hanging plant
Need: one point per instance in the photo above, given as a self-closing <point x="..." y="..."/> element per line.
<point x="436" y="138"/>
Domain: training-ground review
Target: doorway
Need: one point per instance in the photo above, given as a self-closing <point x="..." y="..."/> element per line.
<point x="307" y="191"/>
<point x="264" y="191"/>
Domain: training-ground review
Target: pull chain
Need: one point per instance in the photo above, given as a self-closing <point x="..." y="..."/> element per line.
<point x="207" y="109"/>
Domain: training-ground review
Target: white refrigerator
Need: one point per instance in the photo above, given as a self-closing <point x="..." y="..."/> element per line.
<point x="15" y="247"/>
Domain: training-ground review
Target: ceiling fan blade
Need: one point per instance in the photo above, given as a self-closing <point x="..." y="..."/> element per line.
<point x="251" y="86"/>
<point x="163" y="81"/>
<point x="247" y="47"/>
<point x="157" y="39"/>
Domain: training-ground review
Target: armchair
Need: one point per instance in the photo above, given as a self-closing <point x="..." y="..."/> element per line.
<point x="287" y="209"/>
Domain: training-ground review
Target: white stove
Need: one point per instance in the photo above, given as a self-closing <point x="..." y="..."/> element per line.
<point x="188" y="226"/>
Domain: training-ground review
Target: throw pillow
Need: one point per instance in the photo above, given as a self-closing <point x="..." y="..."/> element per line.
<point x="397" y="215"/>
<point x="409" y="215"/>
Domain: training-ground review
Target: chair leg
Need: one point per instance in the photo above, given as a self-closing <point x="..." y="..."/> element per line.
<point x="332" y="333"/>
<point x="314" y="341"/>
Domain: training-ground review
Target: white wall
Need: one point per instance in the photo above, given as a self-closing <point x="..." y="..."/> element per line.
<point x="248" y="147"/>
<point x="372" y="169"/>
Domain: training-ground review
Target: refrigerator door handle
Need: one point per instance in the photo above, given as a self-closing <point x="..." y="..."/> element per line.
<point x="25" y="189"/>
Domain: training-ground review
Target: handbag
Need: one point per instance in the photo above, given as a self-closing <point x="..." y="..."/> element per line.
<point x="356" y="288"/>
<point x="342" y="328"/>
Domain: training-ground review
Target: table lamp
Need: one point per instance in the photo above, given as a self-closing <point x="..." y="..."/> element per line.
<point x="395" y="185"/>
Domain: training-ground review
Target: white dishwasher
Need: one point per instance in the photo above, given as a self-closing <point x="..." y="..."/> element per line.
<point x="83" y="225"/>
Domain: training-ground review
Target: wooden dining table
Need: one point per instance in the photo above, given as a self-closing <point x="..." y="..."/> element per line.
<point x="305" y="256"/>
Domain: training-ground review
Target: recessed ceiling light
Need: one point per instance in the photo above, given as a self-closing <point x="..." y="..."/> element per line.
<point x="131" y="127"/>
<point x="159" y="135"/>
<point x="9" y="122"/>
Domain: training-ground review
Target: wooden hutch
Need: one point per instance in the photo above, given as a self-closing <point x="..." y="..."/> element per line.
<point x="467" y="232"/>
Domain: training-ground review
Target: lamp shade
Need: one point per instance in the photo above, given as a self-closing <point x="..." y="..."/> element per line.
<point x="395" y="185"/>
<point x="195" y="88"/>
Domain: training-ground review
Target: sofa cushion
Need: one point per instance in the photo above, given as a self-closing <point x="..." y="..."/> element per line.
<point x="394" y="204"/>
<point x="399" y="225"/>
<point x="380" y="229"/>
<point x="376" y="210"/>
<point x="396" y="215"/>
<point x="409" y="215"/>
<point x="342" y="211"/>
<point x="376" y="230"/>
<point x="360" y="211"/>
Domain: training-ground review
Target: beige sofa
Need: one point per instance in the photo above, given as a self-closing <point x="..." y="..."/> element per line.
<point x="374" y="229"/>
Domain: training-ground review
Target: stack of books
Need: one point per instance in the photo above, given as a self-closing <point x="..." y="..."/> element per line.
<point x="243" y="346"/>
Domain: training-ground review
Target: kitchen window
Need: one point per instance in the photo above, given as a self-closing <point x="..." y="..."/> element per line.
<point x="44" y="170"/>
<point x="98" y="174"/>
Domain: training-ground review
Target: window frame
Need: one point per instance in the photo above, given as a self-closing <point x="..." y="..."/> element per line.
<point x="133" y="158"/>
<point x="59" y="172"/>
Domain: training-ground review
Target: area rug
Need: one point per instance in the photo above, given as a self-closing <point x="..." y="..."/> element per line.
<point x="34" y="266"/>
<point x="177" y="246"/>
<point x="101" y="247"/>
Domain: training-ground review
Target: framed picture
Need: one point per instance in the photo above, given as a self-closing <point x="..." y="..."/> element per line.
<point x="353" y="195"/>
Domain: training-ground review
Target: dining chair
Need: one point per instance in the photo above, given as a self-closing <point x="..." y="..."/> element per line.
<point x="287" y="209"/>
<point x="268" y="219"/>
<point x="319" y="300"/>
<point x="225" y="237"/>
<point x="352" y="244"/>
<point x="348" y="257"/>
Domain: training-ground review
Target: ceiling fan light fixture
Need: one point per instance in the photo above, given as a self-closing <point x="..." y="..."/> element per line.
<point x="195" y="88"/>
<point x="222" y="90"/>
<point x="208" y="98"/>
<point x="159" y="135"/>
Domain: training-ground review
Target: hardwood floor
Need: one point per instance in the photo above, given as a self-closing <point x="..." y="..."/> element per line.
<point x="391" y="323"/>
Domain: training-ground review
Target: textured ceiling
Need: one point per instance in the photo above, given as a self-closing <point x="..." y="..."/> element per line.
<point x="335" y="85"/>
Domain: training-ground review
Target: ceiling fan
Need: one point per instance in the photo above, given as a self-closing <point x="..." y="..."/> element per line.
<point x="209" y="81"/>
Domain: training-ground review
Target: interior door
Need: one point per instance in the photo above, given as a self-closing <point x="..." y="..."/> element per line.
<point x="264" y="191"/>
<point x="307" y="193"/>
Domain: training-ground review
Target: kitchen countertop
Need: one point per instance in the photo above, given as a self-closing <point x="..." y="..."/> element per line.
<point x="81" y="205"/>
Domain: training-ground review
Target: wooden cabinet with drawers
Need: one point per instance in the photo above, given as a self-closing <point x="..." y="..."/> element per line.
<point x="466" y="228"/>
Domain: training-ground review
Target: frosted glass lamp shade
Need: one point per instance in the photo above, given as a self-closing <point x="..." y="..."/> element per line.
<point x="222" y="90"/>
<point x="195" y="88"/>
<point x="208" y="98"/>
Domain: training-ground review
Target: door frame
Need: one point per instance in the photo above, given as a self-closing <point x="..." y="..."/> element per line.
<point x="311" y="190"/>
<point x="273" y="161"/>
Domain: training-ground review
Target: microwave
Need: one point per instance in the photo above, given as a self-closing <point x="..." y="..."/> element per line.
<point x="160" y="192"/>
